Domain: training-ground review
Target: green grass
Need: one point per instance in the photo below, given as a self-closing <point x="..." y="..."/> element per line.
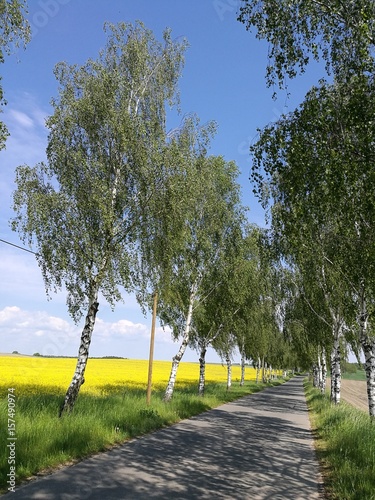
<point x="345" y="445"/>
<point x="357" y="375"/>
<point x="44" y="441"/>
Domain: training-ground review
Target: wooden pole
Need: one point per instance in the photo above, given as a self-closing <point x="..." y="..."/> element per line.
<point x="152" y="342"/>
<point x="263" y="378"/>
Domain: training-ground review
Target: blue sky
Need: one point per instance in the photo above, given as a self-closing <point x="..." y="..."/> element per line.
<point x="223" y="80"/>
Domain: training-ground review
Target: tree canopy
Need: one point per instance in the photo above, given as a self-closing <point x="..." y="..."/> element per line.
<point x="340" y="33"/>
<point x="80" y="208"/>
<point x="14" y="31"/>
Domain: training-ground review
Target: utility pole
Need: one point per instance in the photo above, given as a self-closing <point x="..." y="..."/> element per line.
<point x="152" y="342"/>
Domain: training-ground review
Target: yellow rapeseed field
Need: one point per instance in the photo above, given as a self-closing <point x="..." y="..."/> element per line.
<point x="33" y="375"/>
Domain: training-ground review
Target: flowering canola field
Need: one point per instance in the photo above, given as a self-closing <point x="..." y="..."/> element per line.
<point x="35" y="375"/>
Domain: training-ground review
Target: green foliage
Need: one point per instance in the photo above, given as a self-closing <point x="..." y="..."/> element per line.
<point x="105" y="158"/>
<point x="340" y="33"/>
<point x="14" y="31"/>
<point x="163" y="231"/>
<point x="228" y="297"/>
<point x="79" y="210"/>
<point x="353" y="371"/>
<point x="211" y="218"/>
<point x="322" y="214"/>
<point x="349" y="368"/>
<point x="347" y="447"/>
<point x="313" y="168"/>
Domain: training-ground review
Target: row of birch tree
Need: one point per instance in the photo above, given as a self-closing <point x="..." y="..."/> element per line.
<point x="314" y="170"/>
<point x="123" y="205"/>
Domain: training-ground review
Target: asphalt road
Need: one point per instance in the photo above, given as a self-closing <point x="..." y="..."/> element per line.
<point x="258" y="447"/>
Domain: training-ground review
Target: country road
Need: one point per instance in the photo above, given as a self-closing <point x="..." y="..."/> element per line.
<point x="259" y="447"/>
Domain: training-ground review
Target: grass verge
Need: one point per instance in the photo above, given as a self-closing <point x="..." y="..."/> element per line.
<point x="345" y="444"/>
<point x="97" y="422"/>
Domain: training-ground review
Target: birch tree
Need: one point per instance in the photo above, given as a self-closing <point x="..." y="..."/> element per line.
<point x="245" y="291"/>
<point x="207" y="331"/>
<point x="225" y="300"/>
<point x="342" y="34"/>
<point x="211" y="216"/>
<point x="79" y="209"/>
<point x="306" y="326"/>
<point x="326" y="208"/>
<point x="160" y="230"/>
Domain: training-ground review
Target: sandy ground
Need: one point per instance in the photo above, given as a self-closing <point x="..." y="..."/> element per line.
<point x="353" y="392"/>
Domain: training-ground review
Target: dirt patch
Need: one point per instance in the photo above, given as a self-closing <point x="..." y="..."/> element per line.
<point x="354" y="392"/>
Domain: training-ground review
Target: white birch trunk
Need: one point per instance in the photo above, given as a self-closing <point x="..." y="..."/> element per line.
<point x="368" y="347"/>
<point x="336" y="364"/>
<point x="83" y="354"/>
<point x="176" y="359"/>
<point x="258" y="370"/>
<point x="320" y="373"/>
<point x="229" y="372"/>
<point x="324" y="371"/>
<point x="202" y="371"/>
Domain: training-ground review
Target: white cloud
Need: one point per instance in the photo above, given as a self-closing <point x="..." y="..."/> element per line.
<point x="38" y="323"/>
<point x="21" y="119"/>
<point x="27" y="142"/>
<point x="124" y="328"/>
<point x="8" y="313"/>
<point x="164" y="335"/>
<point x="37" y="331"/>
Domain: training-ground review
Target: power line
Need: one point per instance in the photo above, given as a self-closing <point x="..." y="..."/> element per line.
<point x="17" y="246"/>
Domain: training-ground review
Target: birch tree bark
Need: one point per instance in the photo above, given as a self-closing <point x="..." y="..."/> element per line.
<point x="177" y="358"/>
<point x="315" y="375"/>
<point x="320" y="374"/>
<point x="258" y="370"/>
<point x="263" y="371"/>
<point x="202" y="370"/>
<point x="229" y="372"/>
<point x="368" y="346"/>
<point x="324" y="371"/>
<point x="336" y="362"/>
<point x="83" y="354"/>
